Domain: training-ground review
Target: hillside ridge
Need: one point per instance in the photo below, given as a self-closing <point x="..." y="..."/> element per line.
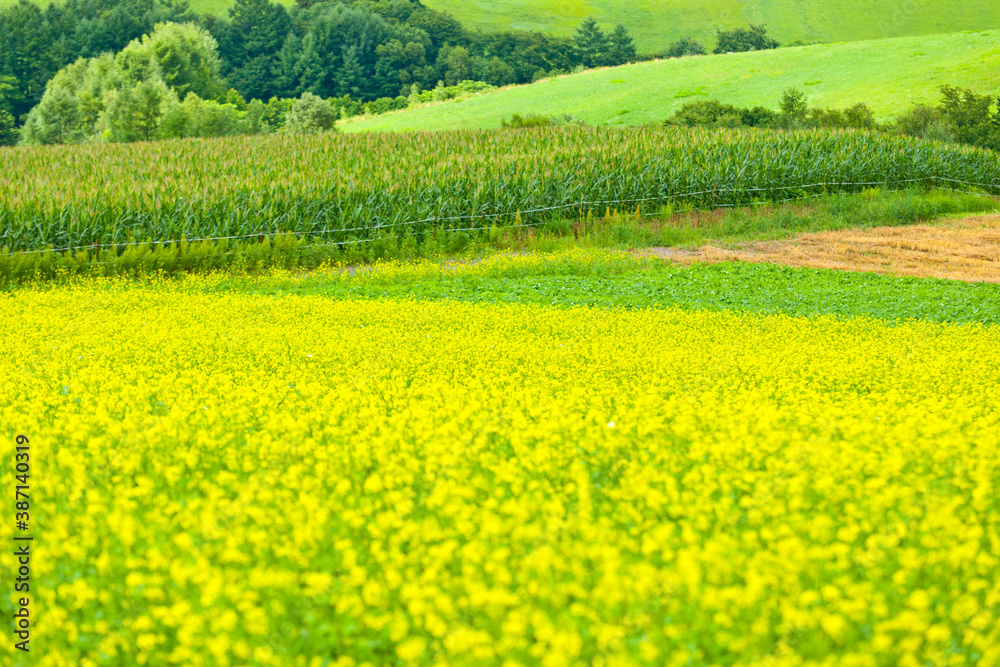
<point x="889" y="75"/>
<point x="656" y="24"/>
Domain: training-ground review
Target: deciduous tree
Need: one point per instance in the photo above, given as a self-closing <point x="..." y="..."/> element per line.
<point x="310" y="114"/>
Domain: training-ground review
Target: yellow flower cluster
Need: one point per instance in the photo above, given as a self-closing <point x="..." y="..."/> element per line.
<point x="230" y="479"/>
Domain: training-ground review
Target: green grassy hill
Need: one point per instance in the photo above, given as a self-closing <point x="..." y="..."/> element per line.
<point x="655" y="23"/>
<point x="889" y="75"/>
<point x="217" y="7"/>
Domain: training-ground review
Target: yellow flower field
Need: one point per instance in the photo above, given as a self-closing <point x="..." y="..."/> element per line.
<point x="230" y="479"/>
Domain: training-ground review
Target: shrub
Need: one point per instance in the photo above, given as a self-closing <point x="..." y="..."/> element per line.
<point x="461" y="89"/>
<point x="794" y="114"/>
<point x="685" y="46"/>
<point x="346" y="107"/>
<point x="860" y="116"/>
<point x="939" y="131"/>
<point x="538" y="120"/>
<point x="742" y="39"/>
<point x="531" y="120"/>
<point x="712" y="113"/>
<point x="275" y="111"/>
<point x="386" y="104"/>
<point x="441" y="92"/>
<point x="253" y="118"/>
<point x="962" y="116"/>
<point x="195" y="117"/>
<point x="310" y="114"/>
<point x="469" y="87"/>
<point x="917" y="120"/>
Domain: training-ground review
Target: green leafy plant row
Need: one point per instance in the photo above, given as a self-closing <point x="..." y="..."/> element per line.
<point x="604" y="280"/>
<point x="348" y="188"/>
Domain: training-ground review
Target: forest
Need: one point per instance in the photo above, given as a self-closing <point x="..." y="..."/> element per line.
<point x="358" y="51"/>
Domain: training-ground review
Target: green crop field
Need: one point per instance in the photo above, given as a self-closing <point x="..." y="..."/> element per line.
<point x="656" y="23"/>
<point x="416" y="184"/>
<point x="889" y="75"/>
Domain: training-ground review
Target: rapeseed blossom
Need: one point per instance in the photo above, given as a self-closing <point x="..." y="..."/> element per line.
<point x="232" y="479"/>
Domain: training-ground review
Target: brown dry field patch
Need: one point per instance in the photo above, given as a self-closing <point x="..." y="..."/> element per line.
<point x="964" y="249"/>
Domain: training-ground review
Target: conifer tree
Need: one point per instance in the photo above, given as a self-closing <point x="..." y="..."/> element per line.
<point x="257" y="28"/>
<point x="622" y="46"/>
<point x="8" y="133"/>
<point x="351" y="73"/>
<point x="309" y="68"/>
<point x="591" y="43"/>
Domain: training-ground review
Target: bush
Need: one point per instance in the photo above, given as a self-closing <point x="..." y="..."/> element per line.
<point x="471" y="87"/>
<point x="254" y="121"/>
<point x="538" y="120"/>
<point x="461" y="89"/>
<point x="860" y="116"/>
<point x="386" y="104"/>
<point x="531" y="120"/>
<point x="275" y="111"/>
<point x="712" y="113"/>
<point x="962" y="116"/>
<point x="939" y="131"/>
<point x="310" y="114"/>
<point x="794" y="114"/>
<point x="347" y="107"/>
<point x="742" y="39"/>
<point x="968" y="117"/>
<point x="964" y="108"/>
<point x="685" y="46"/>
<point x="195" y="117"/>
<point x="917" y="120"/>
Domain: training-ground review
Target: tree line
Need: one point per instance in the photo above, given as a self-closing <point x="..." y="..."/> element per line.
<point x="960" y="116"/>
<point x="360" y="55"/>
<point x="357" y="51"/>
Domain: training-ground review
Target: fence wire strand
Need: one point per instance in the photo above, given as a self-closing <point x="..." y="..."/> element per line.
<point x="580" y="204"/>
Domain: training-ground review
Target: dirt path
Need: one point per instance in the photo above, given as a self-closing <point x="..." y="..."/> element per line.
<point x="966" y="249"/>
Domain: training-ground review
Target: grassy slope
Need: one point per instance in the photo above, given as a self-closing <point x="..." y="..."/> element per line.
<point x="887" y="74"/>
<point x="656" y="23"/>
<point x="217" y="7"/>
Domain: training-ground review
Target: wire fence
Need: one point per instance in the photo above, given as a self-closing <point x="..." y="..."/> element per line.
<point x="373" y="231"/>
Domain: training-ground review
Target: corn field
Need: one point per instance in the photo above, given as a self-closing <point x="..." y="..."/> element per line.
<point x="356" y="187"/>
